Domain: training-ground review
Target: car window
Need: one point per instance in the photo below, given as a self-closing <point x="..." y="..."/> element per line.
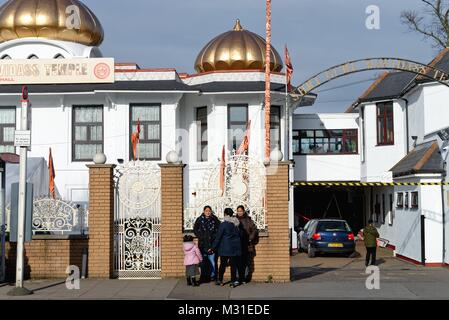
<point x="307" y="225"/>
<point x="312" y="226"/>
<point x="332" y="226"/>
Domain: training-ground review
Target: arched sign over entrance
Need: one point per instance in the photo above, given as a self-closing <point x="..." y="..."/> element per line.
<point x="362" y="65"/>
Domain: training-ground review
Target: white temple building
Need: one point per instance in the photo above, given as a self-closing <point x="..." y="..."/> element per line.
<point x="394" y="133"/>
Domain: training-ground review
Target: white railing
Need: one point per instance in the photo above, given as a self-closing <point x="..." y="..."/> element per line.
<point x="244" y="184"/>
<point x="56" y="217"/>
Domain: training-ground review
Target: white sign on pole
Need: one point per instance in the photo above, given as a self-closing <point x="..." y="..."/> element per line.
<point x="22" y="138"/>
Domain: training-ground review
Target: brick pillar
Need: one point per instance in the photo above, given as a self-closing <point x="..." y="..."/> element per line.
<point x="172" y="215"/>
<point x="272" y="261"/>
<point x="101" y="221"/>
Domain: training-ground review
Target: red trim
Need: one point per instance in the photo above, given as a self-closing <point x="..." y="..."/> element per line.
<point x="391" y="247"/>
<point x="435" y="265"/>
<point x="408" y="259"/>
<point x="429" y="265"/>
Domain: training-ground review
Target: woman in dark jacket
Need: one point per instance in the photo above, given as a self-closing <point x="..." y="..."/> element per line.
<point x="249" y="236"/>
<point x="205" y="229"/>
<point x="228" y="245"/>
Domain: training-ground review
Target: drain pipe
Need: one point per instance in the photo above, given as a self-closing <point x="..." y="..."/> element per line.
<point x="443" y="218"/>
<point x="406" y="124"/>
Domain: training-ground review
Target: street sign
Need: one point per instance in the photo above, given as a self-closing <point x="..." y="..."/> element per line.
<point x="22" y="138"/>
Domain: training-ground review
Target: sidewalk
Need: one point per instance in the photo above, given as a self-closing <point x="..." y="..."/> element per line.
<point x="319" y="278"/>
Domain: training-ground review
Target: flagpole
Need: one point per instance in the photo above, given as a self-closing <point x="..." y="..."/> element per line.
<point x="268" y="81"/>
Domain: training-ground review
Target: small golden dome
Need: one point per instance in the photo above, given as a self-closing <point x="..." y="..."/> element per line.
<point x="48" y="19"/>
<point x="237" y="49"/>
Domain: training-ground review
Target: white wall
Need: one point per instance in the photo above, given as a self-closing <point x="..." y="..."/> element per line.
<point x="52" y="127"/>
<point x="405" y="231"/>
<point x="387" y="230"/>
<point x="380" y="159"/>
<point x="332" y="167"/>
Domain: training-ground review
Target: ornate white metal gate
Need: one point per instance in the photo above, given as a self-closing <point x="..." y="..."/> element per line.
<point x="244" y="184"/>
<point x="138" y="221"/>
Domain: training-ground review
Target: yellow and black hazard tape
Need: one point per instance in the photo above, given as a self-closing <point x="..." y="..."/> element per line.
<point x="366" y="184"/>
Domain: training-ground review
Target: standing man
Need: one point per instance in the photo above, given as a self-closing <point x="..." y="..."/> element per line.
<point x="249" y="236"/>
<point x="205" y="229"/>
<point x="370" y="235"/>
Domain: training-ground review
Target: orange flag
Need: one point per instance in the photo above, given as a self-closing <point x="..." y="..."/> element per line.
<point x="52" y="176"/>
<point x="222" y="171"/>
<point x="244" y="147"/>
<point x="289" y="65"/>
<point x="135" y="140"/>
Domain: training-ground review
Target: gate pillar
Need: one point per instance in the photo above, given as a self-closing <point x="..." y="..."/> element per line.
<point x="272" y="261"/>
<point x="172" y="213"/>
<point x="101" y="221"/>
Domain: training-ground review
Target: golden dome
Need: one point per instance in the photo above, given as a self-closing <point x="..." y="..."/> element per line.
<point x="48" y="19"/>
<point x="237" y="49"/>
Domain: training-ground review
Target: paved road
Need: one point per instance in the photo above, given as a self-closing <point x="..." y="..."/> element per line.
<point x="329" y="277"/>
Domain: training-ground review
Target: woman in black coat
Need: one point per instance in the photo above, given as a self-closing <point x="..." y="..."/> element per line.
<point x="205" y="229"/>
<point x="228" y="245"/>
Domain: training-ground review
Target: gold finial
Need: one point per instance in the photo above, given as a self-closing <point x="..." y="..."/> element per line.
<point x="238" y="26"/>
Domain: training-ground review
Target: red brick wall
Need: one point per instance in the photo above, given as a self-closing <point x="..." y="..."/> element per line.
<point x="172" y="210"/>
<point x="101" y="221"/>
<point x="46" y="258"/>
<point x="273" y="252"/>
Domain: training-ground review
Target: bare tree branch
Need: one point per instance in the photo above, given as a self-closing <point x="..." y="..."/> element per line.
<point x="433" y="25"/>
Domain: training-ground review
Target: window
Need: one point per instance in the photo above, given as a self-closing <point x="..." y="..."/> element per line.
<point x="414" y="203"/>
<point x="377" y="209"/>
<point x="7" y="128"/>
<point x="332" y="226"/>
<point x="406" y="200"/>
<point x="87" y="132"/>
<point x="149" y="146"/>
<point x="343" y="141"/>
<point x="399" y="200"/>
<point x="390" y="215"/>
<point x="296" y="142"/>
<point x="385" y="130"/>
<point x="201" y="120"/>
<point x="237" y="122"/>
<point x="275" y="127"/>
<point x="384" y="209"/>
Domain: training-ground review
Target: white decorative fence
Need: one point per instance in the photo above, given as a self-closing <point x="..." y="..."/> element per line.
<point x="137" y="219"/>
<point x="244" y="184"/>
<point x="56" y="217"/>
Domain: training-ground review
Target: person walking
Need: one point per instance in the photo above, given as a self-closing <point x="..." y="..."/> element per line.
<point x="192" y="260"/>
<point x="205" y="229"/>
<point x="249" y="237"/>
<point x="370" y="235"/>
<point x="228" y="246"/>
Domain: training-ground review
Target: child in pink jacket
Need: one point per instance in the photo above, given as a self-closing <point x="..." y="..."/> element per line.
<point x="192" y="260"/>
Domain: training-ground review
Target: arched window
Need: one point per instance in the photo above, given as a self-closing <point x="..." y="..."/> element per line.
<point x="59" y="56"/>
<point x="33" y="56"/>
<point x="5" y="57"/>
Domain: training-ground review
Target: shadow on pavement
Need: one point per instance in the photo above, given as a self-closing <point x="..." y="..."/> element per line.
<point x="301" y="273"/>
<point x="50" y="285"/>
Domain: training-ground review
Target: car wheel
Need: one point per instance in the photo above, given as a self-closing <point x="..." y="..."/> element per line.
<point x="311" y="252"/>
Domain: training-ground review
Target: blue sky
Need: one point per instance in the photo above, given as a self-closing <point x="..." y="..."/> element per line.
<point x="319" y="34"/>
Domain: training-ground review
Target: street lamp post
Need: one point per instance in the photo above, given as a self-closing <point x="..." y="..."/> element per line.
<point x="19" y="289"/>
